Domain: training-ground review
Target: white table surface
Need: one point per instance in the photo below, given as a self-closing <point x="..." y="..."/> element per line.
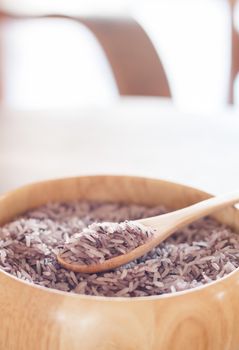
<point x="137" y="136"/>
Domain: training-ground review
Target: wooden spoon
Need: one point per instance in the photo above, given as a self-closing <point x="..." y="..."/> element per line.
<point x="163" y="226"/>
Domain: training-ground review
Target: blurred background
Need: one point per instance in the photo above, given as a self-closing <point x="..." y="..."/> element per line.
<point x="159" y="61"/>
<point x="193" y="39"/>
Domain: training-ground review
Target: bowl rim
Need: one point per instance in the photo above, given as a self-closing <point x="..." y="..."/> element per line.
<point x="52" y="291"/>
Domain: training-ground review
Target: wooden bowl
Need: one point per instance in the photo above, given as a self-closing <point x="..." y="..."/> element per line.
<point x="33" y="317"/>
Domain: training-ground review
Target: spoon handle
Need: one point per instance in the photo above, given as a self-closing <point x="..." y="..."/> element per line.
<point x="182" y="217"/>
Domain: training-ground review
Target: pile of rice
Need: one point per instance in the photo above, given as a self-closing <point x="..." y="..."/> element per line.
<point x="102" y="241"/>
<point x="200" y="253"/>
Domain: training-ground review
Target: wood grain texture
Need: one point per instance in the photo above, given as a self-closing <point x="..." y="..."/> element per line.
<point x="32" y="317"/>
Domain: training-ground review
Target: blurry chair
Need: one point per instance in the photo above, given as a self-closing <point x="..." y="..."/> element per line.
<point x="234" y="69"/>
<point x="134" y="61"/>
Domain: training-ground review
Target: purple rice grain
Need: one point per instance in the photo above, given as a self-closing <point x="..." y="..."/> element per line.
<point x="102" y="241"/>
<point x="200" y="253"/>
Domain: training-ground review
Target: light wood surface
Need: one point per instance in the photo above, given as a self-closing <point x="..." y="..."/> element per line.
<point x="140" y="136"/>
<point x="205" y="318"/>
<point x="162" y="226"/>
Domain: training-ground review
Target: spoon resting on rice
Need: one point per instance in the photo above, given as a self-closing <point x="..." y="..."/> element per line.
<point x="106" y="246"/>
